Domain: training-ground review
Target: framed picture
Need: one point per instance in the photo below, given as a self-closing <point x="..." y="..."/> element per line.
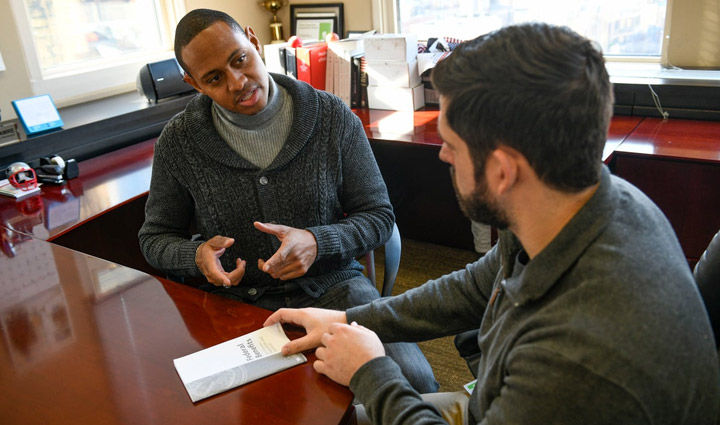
<point x="315" y="21"/>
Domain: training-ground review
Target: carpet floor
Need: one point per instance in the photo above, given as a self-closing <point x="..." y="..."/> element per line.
<point x="419" y="263"/>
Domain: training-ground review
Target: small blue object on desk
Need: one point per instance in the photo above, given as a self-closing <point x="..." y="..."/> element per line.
<point x="37" y="114"/>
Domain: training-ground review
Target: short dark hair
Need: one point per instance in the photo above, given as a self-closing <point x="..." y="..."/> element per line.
<point x="195" y="22"/>
<point x="540" y="89"/>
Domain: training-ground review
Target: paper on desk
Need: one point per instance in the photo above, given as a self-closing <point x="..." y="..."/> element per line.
<point x="8" y="190"/>
<point x="429" y="60"/>
<point x="235" y="362"/>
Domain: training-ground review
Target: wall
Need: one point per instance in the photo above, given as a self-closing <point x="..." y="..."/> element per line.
<point x="248" y="12"/>
<point x="15" y="80"/>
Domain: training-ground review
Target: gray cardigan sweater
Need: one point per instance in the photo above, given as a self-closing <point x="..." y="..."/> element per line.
<point x="324" y="179"/>
<point x="604" y="326"/>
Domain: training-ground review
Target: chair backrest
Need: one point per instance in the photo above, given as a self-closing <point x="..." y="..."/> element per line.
<point x="707" y="276"/>
<point x="393" y="249"/>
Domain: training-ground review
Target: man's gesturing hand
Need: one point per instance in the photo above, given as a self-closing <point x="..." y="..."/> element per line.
<point x="297" y="252"/>
<point x="207" y="258"/>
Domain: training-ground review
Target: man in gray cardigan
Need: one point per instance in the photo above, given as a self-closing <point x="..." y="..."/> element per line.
<point x="586" y="308"/>
<point x="277" y="178"/>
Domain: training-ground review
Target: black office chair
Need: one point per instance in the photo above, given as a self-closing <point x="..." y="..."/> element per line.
<point x="707" y="277"/>
<point x="393" y="249"/>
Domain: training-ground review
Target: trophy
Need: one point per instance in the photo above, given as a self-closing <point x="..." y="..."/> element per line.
<point x="276" y="30"/>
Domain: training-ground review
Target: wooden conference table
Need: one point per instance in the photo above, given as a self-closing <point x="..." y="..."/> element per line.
<point x="89" y="341"/>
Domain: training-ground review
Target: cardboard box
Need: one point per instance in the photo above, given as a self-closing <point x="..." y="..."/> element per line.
<point x="396" y="98"/>
<point x="393" y="74"/>
<point x="312" y="64"/>
<point x="391" y="47"/>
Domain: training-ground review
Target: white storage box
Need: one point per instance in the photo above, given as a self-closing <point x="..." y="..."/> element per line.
<point x="391" y="47"/>
<point x="393" y="74"/>
<point x="396" y="98"/>
<point x="275" y="57"/>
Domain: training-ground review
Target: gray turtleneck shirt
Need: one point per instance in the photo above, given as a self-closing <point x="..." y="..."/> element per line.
<point x="257" y="138"/>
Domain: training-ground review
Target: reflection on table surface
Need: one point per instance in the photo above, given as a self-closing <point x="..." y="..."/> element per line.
<point x="675" y="139"/>
<point x="105" y="182"/>
<point x="88" y="341"/>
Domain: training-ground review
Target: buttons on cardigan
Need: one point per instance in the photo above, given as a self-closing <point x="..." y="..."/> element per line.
<point x="252" y="291"/>
<point x="263" y="180"/>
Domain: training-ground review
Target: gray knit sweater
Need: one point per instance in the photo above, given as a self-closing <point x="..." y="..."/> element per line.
<point x="324" y="179"/>
<point x="604" y="326"/>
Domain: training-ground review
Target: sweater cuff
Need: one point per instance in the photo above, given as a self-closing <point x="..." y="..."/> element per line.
<point x="328" y="242"/>
<point x="187" y="258"/>
<point x="363" y="314"/>
<point x="372" y="376"/>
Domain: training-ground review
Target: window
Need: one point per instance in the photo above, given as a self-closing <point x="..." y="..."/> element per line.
<point x="70" y="32"/>
<point x="84" y="49"/>
<point x="621" y="27"/>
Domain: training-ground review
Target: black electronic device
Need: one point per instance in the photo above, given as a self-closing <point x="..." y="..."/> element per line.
<point x="160" y="80"/>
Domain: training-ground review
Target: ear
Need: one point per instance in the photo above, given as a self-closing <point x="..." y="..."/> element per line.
<point x="502" y="170"/>
<point x="250" y="34"/>
<point x="190" y="80"/>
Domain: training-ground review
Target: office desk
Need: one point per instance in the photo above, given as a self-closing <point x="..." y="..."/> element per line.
<point x="620" y="128"/>
<point x="86" y="341"/>
<point x="677" y="164"/>
<point x="98" y="213"/>
<point x="406" y="146"/>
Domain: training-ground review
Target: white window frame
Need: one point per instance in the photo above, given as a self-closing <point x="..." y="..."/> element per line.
<point x="622" y="69"/>
<point x="385" y="20"/>
<point x="78" y="83"/>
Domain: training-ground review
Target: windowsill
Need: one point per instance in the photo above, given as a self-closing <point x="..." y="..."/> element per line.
<point x="93" y="111"/>
<point x="96" y="127"/>
<point x="104" y="108"/>
<point x="654" y="73"/>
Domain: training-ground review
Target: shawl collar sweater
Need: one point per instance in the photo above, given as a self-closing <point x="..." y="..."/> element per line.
<point x="324" y="179"/>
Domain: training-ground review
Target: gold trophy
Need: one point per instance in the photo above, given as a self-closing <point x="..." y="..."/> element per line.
<point x="273" y="6"/>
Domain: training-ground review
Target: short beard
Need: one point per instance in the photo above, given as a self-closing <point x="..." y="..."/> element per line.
<point x="479" y="206"/>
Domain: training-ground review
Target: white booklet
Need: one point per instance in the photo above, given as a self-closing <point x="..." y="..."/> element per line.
<point x="8" y="190"/>
<point x="235" y="362"/>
